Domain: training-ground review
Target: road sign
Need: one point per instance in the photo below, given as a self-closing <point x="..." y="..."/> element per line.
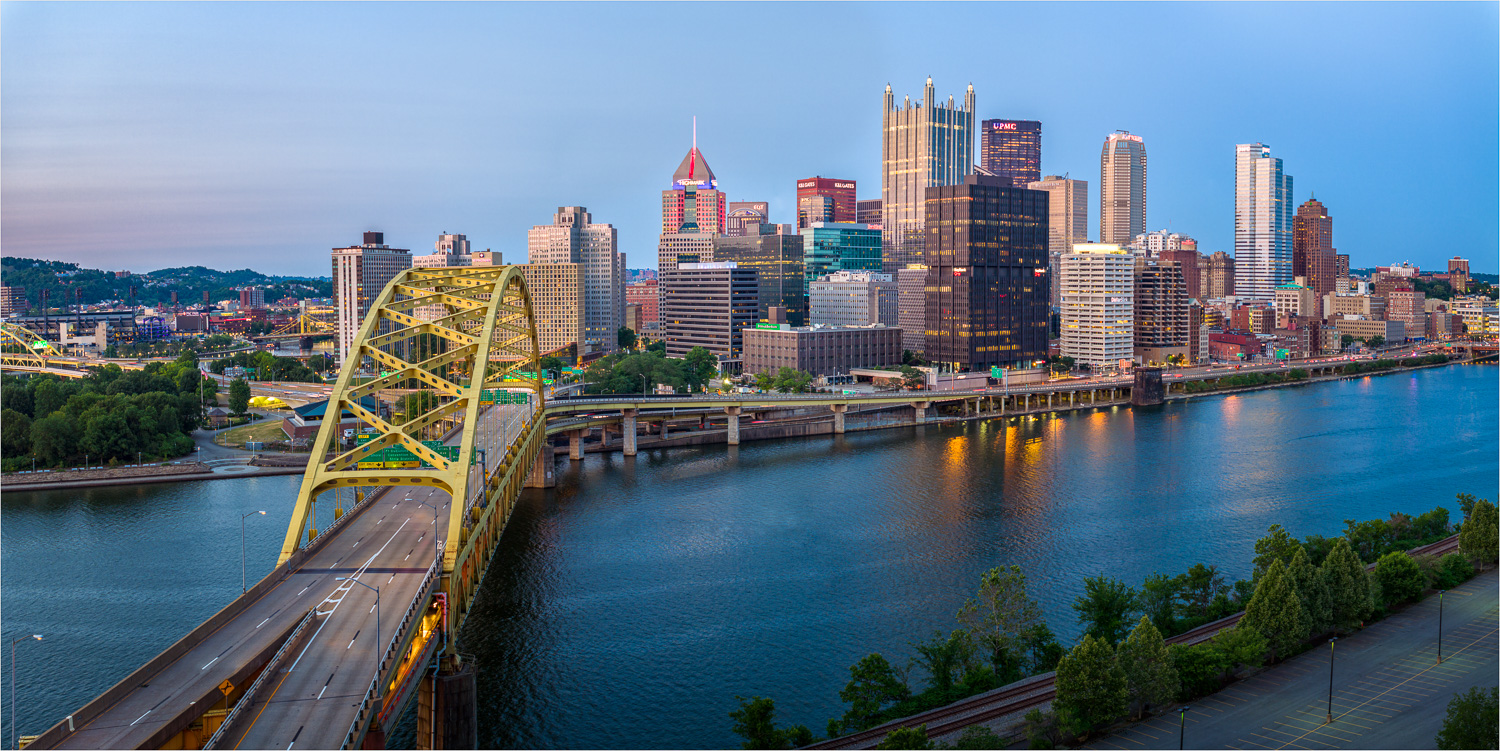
<point x="226" y="688"/>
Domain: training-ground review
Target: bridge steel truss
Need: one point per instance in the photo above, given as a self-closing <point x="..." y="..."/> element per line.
<point x="14" y="337"/>
<point x="487" y="330"/>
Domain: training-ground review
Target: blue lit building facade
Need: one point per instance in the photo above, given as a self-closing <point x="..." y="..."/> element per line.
<point x="828" y="247"/>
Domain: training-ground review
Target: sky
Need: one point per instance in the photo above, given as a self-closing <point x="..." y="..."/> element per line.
<point x="261" y="135"/>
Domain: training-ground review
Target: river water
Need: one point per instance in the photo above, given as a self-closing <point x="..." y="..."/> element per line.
<point x="628" y="606"/>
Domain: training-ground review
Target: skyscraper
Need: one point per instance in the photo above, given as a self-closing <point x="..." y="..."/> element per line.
<point x="360" y="273"/>
<point x="829" y="247"/>
<point x="1098" y="304"/>
<point x="1067" y="222"/>
<point x="711" y="206"/>
<point x="987" y="288"/>
<point x="1313" y="256"/>
<point x="921" y="146"/>
<point x="746" y="217"/>
<point x="1012" y="150"/>
<point x="839" y="192"/>
<point x="777" y="262"/>
<point x="1217" y="276"/>
<point x="867" y="212"/>
<point x="573" y="237"/>
<point x="1161" y="311"/>
<point x="707" y="305"/>
<point x="1262" y="223"/>
<point x="1122" y="188"/>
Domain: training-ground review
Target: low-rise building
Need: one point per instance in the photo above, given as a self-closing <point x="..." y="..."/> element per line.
<point x="1295" y="299"/>
<point x="820" y="350"/>
<point x="1365" y="329"/>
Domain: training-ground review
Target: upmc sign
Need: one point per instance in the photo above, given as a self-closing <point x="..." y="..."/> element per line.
<point x="1003" y="126"/>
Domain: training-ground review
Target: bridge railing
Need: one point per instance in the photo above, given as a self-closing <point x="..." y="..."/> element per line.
<point x="249" y="695"/>
<point x="368" y="705"/>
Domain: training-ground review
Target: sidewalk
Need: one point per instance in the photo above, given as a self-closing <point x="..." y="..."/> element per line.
<point x="1389" y="690"/>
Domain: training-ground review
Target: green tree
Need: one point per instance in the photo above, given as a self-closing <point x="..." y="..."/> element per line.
<point x="755" y="721"/>
<point x="1042" y="650"/>
<point x="1275" y="611"/>
<point x="1275" y="546"/>
<point x="54" y="438"/>
<point x="1479" y="537"/>
<point x="1312" y="590"/>
<point x="911" y="378"/>
<point x="239" y="396"/>
<point x="1466" y="503"/>
<point x="906" y="738"/>
<point x="1238" y="646"/>
<point x="1345" y="341"/>
<point x="1150" y="676"/>
<point x="15" y="433"/>
<point x="1376" y="342"/>
<point x="945" y="659"/>
<point x="1000" y="617"/>
<point x="873" y="684"/>
<point x="625" y="337"/>
<point x="1349" y="601"/>
<point x="1199" y="589"/>
<point x="1400" y="578"/>
<point x="1105" y="607"/>
<point x="792" y="381"/>
<point x="979" y="738"/>
<point x="1453" y="569"/>
<point x="1158" y="601"/>
<point x="1473" y="720"/>
<point x="765" y="381"/>
<point x="1090" y="687"/>
<point x="700" y="367"/>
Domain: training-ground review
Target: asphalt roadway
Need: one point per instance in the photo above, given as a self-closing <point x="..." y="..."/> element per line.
<point x="389" y="544"/>
<point x="1389" y="690"/>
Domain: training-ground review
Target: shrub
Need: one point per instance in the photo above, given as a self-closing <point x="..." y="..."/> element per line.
<point x="1452" y="570"/>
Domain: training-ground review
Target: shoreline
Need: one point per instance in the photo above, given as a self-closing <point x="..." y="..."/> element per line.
<point x="715" y="436"/>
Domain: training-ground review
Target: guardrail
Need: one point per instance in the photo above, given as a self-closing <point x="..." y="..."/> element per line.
<point x="412" y="613"/>
<point x="249" y="694"/>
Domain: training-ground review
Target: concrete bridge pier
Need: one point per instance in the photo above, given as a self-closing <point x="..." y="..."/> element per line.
<point x="575" y="445"/>
<point x="627" y="429"/>
<point x="921" y="410"/>
<point x="447" y="709"/>
<point x="734" y="425"/>
<point x="663" y="430"/>
<point x="838" y="417"/>
<point x="543" y="472"/>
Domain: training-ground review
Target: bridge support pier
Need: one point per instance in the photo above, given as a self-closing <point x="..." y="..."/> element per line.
<point x="921" y="410"/>
<point x="543" y="472"/>
<point x="628" y="429"/>
<point x="447" y="713"/>
<point x="838" y="417"/>
<point x="575" y="445"/>
<point x="663" y="430"/>
<point x="734" y="425"/>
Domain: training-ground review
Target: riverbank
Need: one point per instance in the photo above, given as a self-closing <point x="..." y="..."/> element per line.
<point x="192" y="472"/>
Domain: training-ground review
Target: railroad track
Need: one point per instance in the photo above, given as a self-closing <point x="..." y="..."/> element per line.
<point x="1039" y="690"/>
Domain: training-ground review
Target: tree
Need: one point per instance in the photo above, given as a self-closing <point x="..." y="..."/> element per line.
<point x="906" y="738"/>
<point x="945" y="659"/>
<point x="15" y="433"/>
<point x="1198" y="592"/>
<point x="1453" y="569"/>
<point x="1375" y="342"/>
<point x="700" y="367"/>
<point x="1345" y="341"/>
<point x="1348" y="586"/>
<point x="765" y="381"/>
<point x="1105" y="607"/>
<point x="1276" y="545"/>
<point x="979" y="738"/>
<point x="1000" y="617"/>
<point x="1150" y="676"/>
<point x="625" y="337"/>
<point x="791" y="380"/>
<point x="872" y="685"/>
<point x="1312" y="590"/>
<point x="1158" y="601"/>
<point x="54" y="438"/>
<point x="1042" y="650"/>
<point x="1400" y="578"/>
<point x="755" y="721"/>
<point x="1090" y="687"/>
<point x="1466" y="504"/>
<point x="1480" y="535"/>
<point x="1275" y="611"/>
<point x="239" y="396"/>
<point x="911" y="378"/>
<point x="1473" y="720"/>
<point x="1239" y="646"/>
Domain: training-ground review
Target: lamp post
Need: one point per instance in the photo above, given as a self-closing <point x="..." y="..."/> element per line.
<point x="1181" y="726"/>
<point x="242" y="547"/>
<point x="1330" y="677"/>
<point x="1440" y="624"/>
<point x="13" y="742"/>
<point x="376" y="590"/>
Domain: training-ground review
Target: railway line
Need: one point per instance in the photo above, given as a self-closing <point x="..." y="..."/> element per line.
<point x="1039" y="690"/>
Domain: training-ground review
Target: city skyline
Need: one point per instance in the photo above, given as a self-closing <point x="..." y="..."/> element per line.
<point x="141" y="137"/>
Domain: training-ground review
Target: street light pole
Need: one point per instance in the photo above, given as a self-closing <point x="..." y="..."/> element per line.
<point x="376" y="590"/>
<point x="14" y="743"/>
<point x="1182" y="726"/>
<point x="242" y="547"/>
<point x="1440" y="624"/>
<point x="1330" y="677"/>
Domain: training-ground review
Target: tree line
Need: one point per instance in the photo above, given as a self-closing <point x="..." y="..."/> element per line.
<point x="640" y="372"/>
<point x="1298" y="590"/>
<point x="110" y="416"/>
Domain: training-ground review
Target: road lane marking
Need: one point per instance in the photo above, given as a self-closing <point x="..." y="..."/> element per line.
<point x="351" y="641"/>
<point x="347" y="585"/>
<point x="142" y="717"/>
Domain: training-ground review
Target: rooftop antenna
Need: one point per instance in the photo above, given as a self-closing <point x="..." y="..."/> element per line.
<point x="695" y="134"/>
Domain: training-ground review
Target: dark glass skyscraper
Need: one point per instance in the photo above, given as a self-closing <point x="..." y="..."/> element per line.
<point x="777" y="262"/>
<point x="1012" y="150"/>
<point x="987" y="286"/>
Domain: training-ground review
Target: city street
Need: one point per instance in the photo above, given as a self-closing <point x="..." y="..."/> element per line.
<point x="1389" y="690"/>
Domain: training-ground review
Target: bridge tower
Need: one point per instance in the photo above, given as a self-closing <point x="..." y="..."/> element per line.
<point x="445" y="342"/>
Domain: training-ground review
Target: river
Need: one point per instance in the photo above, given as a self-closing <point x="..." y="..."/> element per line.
<point x="629" y="605"/>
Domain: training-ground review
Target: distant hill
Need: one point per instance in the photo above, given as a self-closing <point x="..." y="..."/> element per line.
<point x="1478" y="277"/>
<point x="63" y="280"/>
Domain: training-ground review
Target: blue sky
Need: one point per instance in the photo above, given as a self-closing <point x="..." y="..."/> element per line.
<point x="232" y="135"/>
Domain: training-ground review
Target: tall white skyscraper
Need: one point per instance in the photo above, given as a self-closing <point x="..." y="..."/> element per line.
<point x="1122" y="188"/>
<point x="1262" y="223"/>
<point x="574" y="238"/>
<point x="1097" y="314"/>
<point x="1067" y="223"/>
<point x="360" y="273"/>
<point x="921" y="146"/>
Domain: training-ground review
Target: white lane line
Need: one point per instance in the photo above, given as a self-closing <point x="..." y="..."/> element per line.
<point x="210" y="662"/>
<point x="304" y="589"/>
<point x="142" y="717"/>
<point x="320" y="693"/>
<point x="262" y="623"/>
<point x="345" y="586"/>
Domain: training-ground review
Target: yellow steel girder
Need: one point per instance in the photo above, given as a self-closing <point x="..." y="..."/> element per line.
<point x="13" y="336"/>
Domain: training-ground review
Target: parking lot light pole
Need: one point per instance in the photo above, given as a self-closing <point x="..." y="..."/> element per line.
<point x="1330" y="677"/>
<point x="1182" y="727"/>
